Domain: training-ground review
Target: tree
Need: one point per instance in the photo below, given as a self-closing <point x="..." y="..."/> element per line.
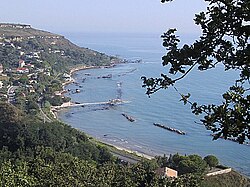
<point x="224" y="40"/>
<point x="211" y="160"/>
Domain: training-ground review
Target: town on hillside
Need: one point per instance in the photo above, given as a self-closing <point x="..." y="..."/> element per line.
<point x="35" y="64"/>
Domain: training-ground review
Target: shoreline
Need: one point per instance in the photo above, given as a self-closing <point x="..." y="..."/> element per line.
<point x="80" y="68"/>
<point x="133" y="152"/>
<point x="115" y="148"/>
<point x="55" y="112"/>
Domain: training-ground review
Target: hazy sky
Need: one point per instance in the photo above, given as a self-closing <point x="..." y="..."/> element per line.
<point x="103" y="15"/>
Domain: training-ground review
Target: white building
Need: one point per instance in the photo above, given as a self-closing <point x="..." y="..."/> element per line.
<point x="1" y="68"/>
<point x="1" y="84"/>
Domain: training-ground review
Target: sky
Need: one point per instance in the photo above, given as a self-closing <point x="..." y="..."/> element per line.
<point x="117" y="16"/>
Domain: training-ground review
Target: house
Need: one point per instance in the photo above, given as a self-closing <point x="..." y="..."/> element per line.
<point x="32" y="89"/>
<point x="1" y="84"/>
<point x="167" y="172"/>
<point x="30" y="65"/>
<point x="9" y="45"/>
<point x="66" y="76"/>
<point x="22" y="70"/>
<point x="21" y="63"/>
<point x="1" y="68"/>
<point x="58" y="93"/>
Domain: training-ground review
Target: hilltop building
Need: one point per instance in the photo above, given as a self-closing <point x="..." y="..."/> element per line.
<point x="166" y="172"/>
<point x="18" y="26"/>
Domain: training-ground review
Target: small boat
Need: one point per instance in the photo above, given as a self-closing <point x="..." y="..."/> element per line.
<point x="107" y="76"/>
<point x="170" y="129"/>
<point x="129" y="118"/>
<point x="119" y="84"/>
<point x="78" y="91"/>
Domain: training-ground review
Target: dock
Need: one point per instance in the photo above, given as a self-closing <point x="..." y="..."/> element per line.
<point x="111" y="102"/>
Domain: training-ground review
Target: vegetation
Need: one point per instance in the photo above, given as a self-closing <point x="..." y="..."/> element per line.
<point x="184" y="164"/>
<point x="56" y="51"/>
<point x="224" y="41"/>
<point x="36" y="152"/>
<point x="211" y="160"/>
<point x="231" y="179"/>
<point x="53" y="154"/>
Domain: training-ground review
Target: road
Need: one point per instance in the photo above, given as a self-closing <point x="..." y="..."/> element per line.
<point x="45" y="117"/>
<point x="11" y="93"/>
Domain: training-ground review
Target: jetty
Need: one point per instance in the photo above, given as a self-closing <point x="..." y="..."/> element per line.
<point x="129" y="118"/>
<point x="111" y="102"/>
<point x="170" y="129"/>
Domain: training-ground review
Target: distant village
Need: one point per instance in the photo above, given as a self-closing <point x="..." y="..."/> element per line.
<point x="25" y="65"/>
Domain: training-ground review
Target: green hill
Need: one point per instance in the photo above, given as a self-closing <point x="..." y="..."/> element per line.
<point x="22" y="42"/>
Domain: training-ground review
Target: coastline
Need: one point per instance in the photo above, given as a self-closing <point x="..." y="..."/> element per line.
<point x="53" y="109"/>
<point x="122" y="150"/>
<point x="142" y="155"/>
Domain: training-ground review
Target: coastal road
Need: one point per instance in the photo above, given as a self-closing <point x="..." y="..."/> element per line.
<point x="126" y="157"/>
<point x="45" y="117"/>
<point x="11" y="93"/>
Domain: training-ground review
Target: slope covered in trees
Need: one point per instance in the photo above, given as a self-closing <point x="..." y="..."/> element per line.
<point x="33" y="153"/>
<point x="54" y="50"/>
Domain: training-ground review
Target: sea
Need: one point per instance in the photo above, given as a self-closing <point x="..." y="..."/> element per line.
<point x="107" y="124"/>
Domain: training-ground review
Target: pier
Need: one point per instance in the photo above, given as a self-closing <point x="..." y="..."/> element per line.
<point x="111" y="102"/>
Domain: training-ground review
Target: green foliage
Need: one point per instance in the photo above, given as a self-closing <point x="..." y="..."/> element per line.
<point x="187" y="180"/>
<point x="9" y="114"/>
<point x="51" y="168"/>
<point x="24" y="79"/>
<point x="183" y="164"/>
<point x="224" y="41"/>
<point x="11" y="175"/>
<point x="192" y="164"/>
<point x="24" y="134"/>
<point x="231" y="179"/>
<point x="54" y="154"/>
<point x="55" y="100"/>
<point x="211" y="160"/>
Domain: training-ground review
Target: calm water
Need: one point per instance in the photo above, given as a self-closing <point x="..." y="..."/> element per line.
<point x="108" y="125"/>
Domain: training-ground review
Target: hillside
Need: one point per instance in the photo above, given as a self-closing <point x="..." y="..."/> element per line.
<point x="34" y="64"/>
<point x="231" y="179"/>
<point x="22" y="42"/>
<point x="38" y="150"/>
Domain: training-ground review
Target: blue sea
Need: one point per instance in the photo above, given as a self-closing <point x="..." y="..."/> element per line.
<point x="107" y="123"/>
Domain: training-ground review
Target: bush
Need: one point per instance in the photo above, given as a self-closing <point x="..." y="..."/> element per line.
<point x="211" y="160"/>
